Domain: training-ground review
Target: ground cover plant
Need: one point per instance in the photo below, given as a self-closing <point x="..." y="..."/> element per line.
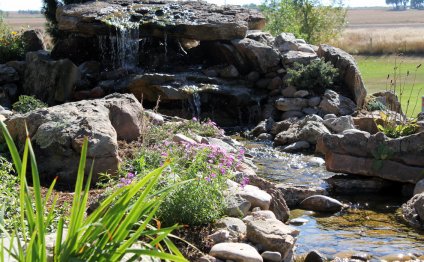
<point x="113" y="230"/>
<point x="11" y="44"/>
<point x="26" y="104"/>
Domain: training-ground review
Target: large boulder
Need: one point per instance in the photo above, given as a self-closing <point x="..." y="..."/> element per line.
<point x="8" y="74"/>
<point x="413" y="211"/>
<point x="349" y="71"/>
<point x="309" y="129"/>
<point x="188" y="19"/>
<point x="334" y="103"/>
<point x="33" y="40"/>
<point x="50" y="81"/>
<point x="258" y="56"/>
<point x="58" y="132"/>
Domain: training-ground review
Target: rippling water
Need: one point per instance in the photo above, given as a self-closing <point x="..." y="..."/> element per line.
<point x="369" y="225"/>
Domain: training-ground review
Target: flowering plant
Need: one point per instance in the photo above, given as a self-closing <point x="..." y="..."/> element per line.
<point x="11" y="44"/>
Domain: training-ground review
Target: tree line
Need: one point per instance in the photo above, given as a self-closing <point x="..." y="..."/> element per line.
<point x="403" y="4"/>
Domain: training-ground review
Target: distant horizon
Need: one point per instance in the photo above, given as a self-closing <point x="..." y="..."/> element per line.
<point x="7" y="5"/>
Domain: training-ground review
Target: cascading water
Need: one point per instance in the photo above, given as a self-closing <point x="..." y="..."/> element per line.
<point x="197" y="104"/>
<point x="120" y="48"/>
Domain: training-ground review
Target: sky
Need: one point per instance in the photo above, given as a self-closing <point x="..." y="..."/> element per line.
<point x="13" y="5"/>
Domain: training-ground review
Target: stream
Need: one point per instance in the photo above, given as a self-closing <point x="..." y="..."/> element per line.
<point x="368" y="226"/>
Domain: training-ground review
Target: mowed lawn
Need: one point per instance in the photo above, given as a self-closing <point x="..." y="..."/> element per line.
<point x="376" y="69"/>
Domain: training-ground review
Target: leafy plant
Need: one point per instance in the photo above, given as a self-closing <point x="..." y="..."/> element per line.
<point x="375" y="105"/>
<point x="26" y="104"/>
<point x="394" y="130"/>
<point x="9" y="196"/>
<point x="12" y="46"/>
<point x="107" y="234"/>
<point x="317" y="76"/>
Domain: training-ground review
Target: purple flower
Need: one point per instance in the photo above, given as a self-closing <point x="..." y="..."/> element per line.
<point x="208" y="179"/>
<point x="130" y="175"/>
<point x="213" y="175"/>
<point x="194" y="119"/>
<point x="245" y="182"/>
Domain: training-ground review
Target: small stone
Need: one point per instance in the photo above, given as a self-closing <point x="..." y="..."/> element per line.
<point x="220" y="236"/>
<point x="419" y="187"/>
<point x="314" y="101"/>
<point x="329" y="116"/>
<point x="315" y="256"/>
<point x="296" y="146"/>
<point x="180" y="138"/>
<point x="298" y="221"/>
<point x="321" y="203"/>
<point x="253" y="76"/>
<point x="289" y="91"/>
<point x="265" y="137"/>
<point x="238" y="252"/>
<point x="271" y="256"/>
<point x="301" y="94"/>
<point x="256" y="209"/>
<point x="306" y="48"/>
<point x="339" y="124"/>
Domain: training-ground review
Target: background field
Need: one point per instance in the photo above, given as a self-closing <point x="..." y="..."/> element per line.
<point x="375" y="71"/>
<point x="23" y="21"/>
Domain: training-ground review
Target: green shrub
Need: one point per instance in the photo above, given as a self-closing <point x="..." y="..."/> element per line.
<point x="12" y="46"/>
<point x="107" y="234"/>
<point x="9" y="195"/>
<point x="393" y="129"/>
<point x="316" y="77"/>
<point x="26" y="104"/>
<point x="207" y="167"/>
<point x="374" y="105"/>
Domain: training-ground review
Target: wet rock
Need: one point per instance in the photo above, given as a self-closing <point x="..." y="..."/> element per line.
<point x="305" y="130"/>
<point x="298" y="221"/>
<point x="293" y="195"/>
<point x="321" y="203"/>
<point x="356" y="185"/>
<point x="315" y="256"/>
<point x="272" y="235"/>
<point x="285" y="42"/>
<point x="281" y="126"/>
<point x="237" y="252"/>
<point x="263" y="127"/>
<point x="236" y="206"/>
<point x="419" y="187"/>
<point x="229" y="72"/>
<point x="333" y="103"/>
<point x="295" y="147"/>
<point x="260" y="57"/>
<point x="234" y="225"/>
<point x="349" y="71"/>
<point x="291" y="104"/>
<point x="8" y="74"/>
<point x="361" y="256"/>
<point x="48" y="80"/>
<point x="398" y="257"/>
<point x="339" y="124"/>
<point x="57" y="134"/>
<point x="291" y="57"/>
<point x="33" y="40"/>
<point x="271" y="256"/>
<point x="413" y="211"/>
<point x="90" y="70"/>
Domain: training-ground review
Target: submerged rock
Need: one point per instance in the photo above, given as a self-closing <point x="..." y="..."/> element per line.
<point x="321" y="203"/>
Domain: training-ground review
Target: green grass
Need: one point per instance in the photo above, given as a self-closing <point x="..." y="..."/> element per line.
<point x="375" y="70"/>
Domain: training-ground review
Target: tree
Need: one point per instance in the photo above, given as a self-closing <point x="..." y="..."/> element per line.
<point x="397" y="4"/>
<point x="417" y="4"/>
<point x="49" y="10"/>
<point x="308" y="19"/>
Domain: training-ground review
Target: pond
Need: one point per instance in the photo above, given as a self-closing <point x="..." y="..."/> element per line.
<point x="369" y="225"/>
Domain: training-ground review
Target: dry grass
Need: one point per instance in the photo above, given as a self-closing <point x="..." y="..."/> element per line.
<point x="382" y="31"/>
<point x="25" y="21"/>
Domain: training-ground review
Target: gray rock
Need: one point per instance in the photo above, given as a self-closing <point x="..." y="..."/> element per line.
<point x="296" y="146"/>
<point x="292" y="114"/>
<point x="310" y="111"/>
<point x="271" y="256"/>
<point x="321" y="203"/>
<point x="220" y="236"/>
<point x="302" y="94"/>
<point x="50" y="81"/>
<point x="8" y="74"/>
<point x="315" y="256"/>
<point x="413" y="211"/>
<point x="329" y="116"/>
<point x="281" y="126"/>
<point x="298" y="221"/>
<point x="339" y="124"/>
<point x="256" y="196"/>
<point x="291" y="57"/>
<point x="262" y="58"/>
<point x="296" y="194"/>
<point x="272" y="235"/>
<point x="285" y="42"/>
<point x="306" y="130"/>
<point x="313" y="118"/>
<point x="253" y="76"/>
<point x="333" y="103"/>
<point x="260" y="214"/>
<point x="291" y="104"/>
<point x="180" y="138"/>
<point x="237" y="252"/>
<point x="265" y="137"/>
<point x="33" y="40"/>
<point x="289" y="91"/>
<point x="263" y="127"/>
<point x="260" y="36"/>
<point x="349" y="71"/>
<point x="263" y="83"/>
<point x="306" y="48"/>
<point x="229" y="72"/>
<point x="234" y="225"/>
<point x="314" y="101"/>
<point x="236" y="206"/>
<point x="419" y="187"/>
<point x="57" y="134"/>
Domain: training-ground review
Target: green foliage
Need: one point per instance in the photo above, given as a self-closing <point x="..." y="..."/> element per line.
<point x="392" y="129"/>
<point x="12" y="46"/>
<point x="417" y="4"/>
<point x="316" y="77"/>
<point x="9" y="196"/>
<point x="107" y="234"/>
<point x="308" y="19"/>
<point x="26" y="104"/>
<point x="375" y="105"/>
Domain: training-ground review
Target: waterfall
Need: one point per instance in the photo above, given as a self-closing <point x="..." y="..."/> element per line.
<point x="120" y="48"/>
<point x="197" y="105"/>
